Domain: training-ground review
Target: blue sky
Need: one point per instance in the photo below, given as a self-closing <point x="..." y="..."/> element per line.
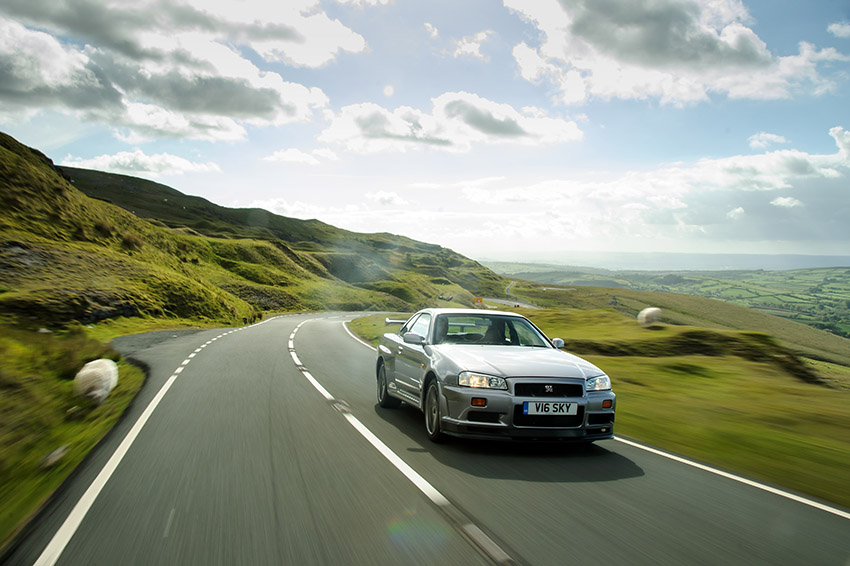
<point x="510" y="130"/>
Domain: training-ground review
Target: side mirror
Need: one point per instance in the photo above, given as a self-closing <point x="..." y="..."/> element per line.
<point x="558" y="343"/>
<point x="413" y="338"/>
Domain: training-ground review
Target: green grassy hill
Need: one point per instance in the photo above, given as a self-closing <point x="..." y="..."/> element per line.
<point x="140" y="249"/>
<point x="696" y="311"/>
<point x="818" y="297"/>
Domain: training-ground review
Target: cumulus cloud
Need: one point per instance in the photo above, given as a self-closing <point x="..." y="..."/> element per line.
<point x="704" y="200"/>
<point x="37" y="70"/>
<point x="787" y="199"/>
<point x="138" y="163"/>
<point x="167" y="69"/>
<point x="300" y="209"/>
<point x="786" y="202"/>
<point x="326" y="154"/>
<point x="839" y="29"/>
<point x="457" y="121"/>
<point x="292" y="155"/>
<point x="433" y="32"/>
<point x="361" y="3"/>
<point x="386" y="198"/>
<point x="470" y="46"/>
<point x="762" y="140"/>
<point x="678" y="51"/>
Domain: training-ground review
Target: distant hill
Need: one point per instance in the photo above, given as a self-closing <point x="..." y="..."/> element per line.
<point x="688" y="310"/>
<point x="818" y="297"/>
<point x="85" y="246"/>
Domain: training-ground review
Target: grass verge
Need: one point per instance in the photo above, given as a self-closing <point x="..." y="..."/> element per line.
<point x="36" y="382"/>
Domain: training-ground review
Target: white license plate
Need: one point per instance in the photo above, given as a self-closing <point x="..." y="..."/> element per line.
<point x="549" y="408"/>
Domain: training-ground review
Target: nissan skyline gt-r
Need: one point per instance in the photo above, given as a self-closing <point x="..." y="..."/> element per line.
<point x="489" y="374"/>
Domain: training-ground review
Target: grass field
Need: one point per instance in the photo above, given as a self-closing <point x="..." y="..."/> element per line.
<point x="754" y="418"/>
<point x="36" y="381"/>
<point x="819" y="297"/>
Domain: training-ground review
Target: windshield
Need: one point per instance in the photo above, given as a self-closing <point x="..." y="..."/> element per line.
<point x="487" y="329"/>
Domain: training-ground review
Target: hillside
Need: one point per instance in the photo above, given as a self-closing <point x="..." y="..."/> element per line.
<point x="142" y="249"/>
<point x="818" y="297"/>
<point x="689" y="310"/>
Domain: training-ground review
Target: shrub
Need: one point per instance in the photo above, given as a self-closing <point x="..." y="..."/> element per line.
<point x="131" y="241"/>
<point x="104" y="228"/>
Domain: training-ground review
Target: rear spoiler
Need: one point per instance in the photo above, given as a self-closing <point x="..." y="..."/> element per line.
<point x="389" y="321"/>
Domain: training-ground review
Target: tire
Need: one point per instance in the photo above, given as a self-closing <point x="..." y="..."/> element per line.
<point x="384" y="398"/>
<point x="432" y="413"/>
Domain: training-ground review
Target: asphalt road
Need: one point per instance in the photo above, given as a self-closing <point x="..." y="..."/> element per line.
<point x="244" y="461"/>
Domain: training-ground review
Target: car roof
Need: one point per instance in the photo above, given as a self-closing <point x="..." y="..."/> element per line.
<point x="478" y="312"/>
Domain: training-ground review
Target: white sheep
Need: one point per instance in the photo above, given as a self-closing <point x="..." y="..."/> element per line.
<point x="96" y="380"/>
<point x="649" y="316"/>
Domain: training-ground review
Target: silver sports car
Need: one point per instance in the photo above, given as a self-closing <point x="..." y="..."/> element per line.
<point x="488" y="374"/>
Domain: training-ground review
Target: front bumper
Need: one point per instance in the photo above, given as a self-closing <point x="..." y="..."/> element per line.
<point x="502" y="417"/>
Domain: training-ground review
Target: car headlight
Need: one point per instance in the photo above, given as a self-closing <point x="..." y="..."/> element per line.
<point x="472" y="379"/>
<point x="600" y="383"/>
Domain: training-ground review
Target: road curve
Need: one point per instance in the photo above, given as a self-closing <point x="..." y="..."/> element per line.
<point x="243" y="461"/>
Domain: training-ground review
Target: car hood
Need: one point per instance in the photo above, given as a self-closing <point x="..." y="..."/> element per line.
<point x="516" y="361"/>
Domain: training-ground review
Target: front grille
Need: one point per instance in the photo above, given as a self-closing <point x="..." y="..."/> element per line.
<point x="548" y="420"/>
<point x="483" y="416"/>
<point x="539" y="390"/>
<point x="600" y="418"/>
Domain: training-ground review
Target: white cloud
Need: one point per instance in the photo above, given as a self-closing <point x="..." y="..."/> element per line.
<point x="470" y="46"/>
<point x="433" y="32"/>
<point x="736" y="213"/>
<point x="326" y="154"/>
<point x="678" y="51"/>
<point x="682" y="202"/>
<point x="839" y="29"/>
<point x="292" y="155"/>
<point x="458" y="120"/>
<point x="386" y="198"/>
<point x="786" y="202"/>
<point x="138" y="163"/>
<point x="183" y="73"/>
<point x="762" y="140"/>
<point x="361" y="3"/>
<point x="300" y="209"/>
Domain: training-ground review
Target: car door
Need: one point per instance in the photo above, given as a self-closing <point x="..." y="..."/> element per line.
<point x="410" y="359"/>
<point x="390" y="347"/>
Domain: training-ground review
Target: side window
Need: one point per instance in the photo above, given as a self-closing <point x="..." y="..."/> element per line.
<point x="407" y="326"/>
<point x="421" y="325"/>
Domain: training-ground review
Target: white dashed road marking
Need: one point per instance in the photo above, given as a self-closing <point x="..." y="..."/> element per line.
<point x="487" y="546"/>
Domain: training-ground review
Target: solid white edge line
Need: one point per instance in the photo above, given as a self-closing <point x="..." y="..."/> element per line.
<point x="62" y="537"/>
<point x="350" y="333"/>
<point x="704" y="467"/>
<point x="727" y="475"/>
